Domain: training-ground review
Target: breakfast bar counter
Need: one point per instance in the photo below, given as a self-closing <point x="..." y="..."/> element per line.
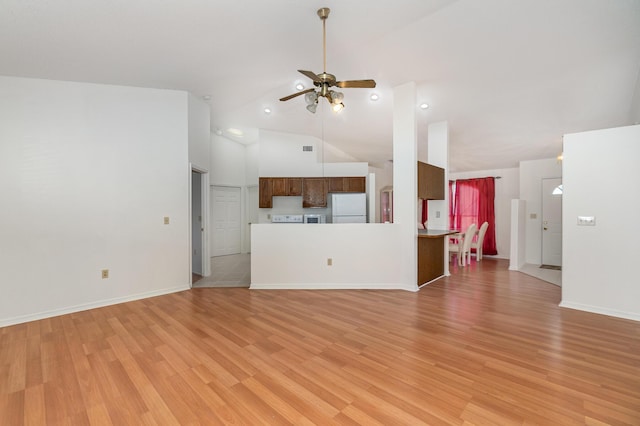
<point x="431" y="252"/>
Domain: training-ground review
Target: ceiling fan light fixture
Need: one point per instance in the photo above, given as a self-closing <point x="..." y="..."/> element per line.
<point x="336" y="97"/>
<point x="312" y="107"/>
<point x="311" y="98"/>
<point x="337" y="107"/>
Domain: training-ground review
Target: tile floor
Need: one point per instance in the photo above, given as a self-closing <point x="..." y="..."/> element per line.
<point x="228" y="271"/>
<point x="549" y="275"/>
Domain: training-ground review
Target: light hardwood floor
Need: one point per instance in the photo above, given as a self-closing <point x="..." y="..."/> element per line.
<point x="484" y="346"/>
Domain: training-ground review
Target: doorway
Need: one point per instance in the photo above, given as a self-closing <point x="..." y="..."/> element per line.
<point x="552" y="222"/>
<point x="225" y="219"/>
<point x="197" y="227"/>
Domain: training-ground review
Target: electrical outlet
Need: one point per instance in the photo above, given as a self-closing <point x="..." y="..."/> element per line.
<point x="105" y="273"/>
<point x="166" y="220"/>
<point x="437" y="215"/>
<point x="329" y="261"/>
<point x="586" y="221"/>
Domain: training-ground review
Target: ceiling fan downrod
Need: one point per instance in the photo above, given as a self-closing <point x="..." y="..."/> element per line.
<point x="323" y="13"/>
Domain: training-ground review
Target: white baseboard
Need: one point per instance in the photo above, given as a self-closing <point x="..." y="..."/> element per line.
<point x="333" y="286"/>
<point x="4" y="322"/>
<point x="600" y="310"/>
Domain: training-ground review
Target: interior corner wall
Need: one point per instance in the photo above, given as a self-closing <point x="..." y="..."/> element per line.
<point x="87" y="174"/>
<point x="601" y="176"/>
<point x="531" y="175"/>
<point x="506" y="189"/>
<point x="199" y="133"/>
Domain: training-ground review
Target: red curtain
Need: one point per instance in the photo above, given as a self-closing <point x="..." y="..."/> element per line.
<point x="474" y="203"/>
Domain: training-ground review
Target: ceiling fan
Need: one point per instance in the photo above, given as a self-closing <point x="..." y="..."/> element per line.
<point x="324" y="81"/>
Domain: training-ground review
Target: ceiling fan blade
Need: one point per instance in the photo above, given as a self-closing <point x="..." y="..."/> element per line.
<point x="311" y="75"/>
<point x="367" y="84"/>
<point x="286" y="98"/>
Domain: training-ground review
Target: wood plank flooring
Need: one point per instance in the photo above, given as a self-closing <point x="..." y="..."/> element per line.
<point x="485" y="346"/>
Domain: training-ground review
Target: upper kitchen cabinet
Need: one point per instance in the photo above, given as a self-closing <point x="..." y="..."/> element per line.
<point x="286" y="186"/>
<point x="347" y="184"/>
<point x="265" y="193"/>
<point x="314" y="192"/>
<point x="430" y="182"/>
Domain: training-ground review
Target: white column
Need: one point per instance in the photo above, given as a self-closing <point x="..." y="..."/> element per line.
<point x="438" y="155"/>
<point x="405" y="191"/>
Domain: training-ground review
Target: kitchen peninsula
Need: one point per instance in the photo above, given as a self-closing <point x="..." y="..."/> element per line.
<point x="431" y="252"/>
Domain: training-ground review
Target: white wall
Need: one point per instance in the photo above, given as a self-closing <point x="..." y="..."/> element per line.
<point x="87" y="173"/>
<point x="518" y="246"/>
<point x="601" y="177"/>
<point x="438" y="155"/>
<point x="295" y="256"/>
<point x="281" y="154"/>
<point x="228" y="162"/>
<point x="531" y="175"/>
<point x="507" y="188"/>
<point x="252" y="164"/>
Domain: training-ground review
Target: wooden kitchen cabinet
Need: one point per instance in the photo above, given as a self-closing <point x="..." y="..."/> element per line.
<point x="347" y="184"/>
<point x="430" y="182"/>
<point x="265" y="197"/>
<point x="286" y="186"/>
<point x="279" y="186"/>
<point x="314" y="192"/>
<point x="294" y="186"/>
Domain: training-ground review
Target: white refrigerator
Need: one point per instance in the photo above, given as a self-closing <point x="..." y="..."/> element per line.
<point x="349" y="208"/>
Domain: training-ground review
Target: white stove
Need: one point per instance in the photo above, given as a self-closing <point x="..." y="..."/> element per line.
<point x="286" y="218"/>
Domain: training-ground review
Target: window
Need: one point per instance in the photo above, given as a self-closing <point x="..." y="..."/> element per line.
<point x="472" y="201"/>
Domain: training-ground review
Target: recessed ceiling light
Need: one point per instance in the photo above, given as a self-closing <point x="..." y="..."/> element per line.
<point x="207" y="97"/>
<point x="235" y="132"/>
<point x="424" y="106"/>
<point x="299" y="86"/>
<point x="218" y="132"/>
<point x="267" y="110"/>
<point x="374" y="97"/>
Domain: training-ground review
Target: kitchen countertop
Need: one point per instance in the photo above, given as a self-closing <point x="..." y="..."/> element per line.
<point x="435" y="233"/>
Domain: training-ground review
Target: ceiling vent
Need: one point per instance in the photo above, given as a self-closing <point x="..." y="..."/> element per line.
<point x="307" y="148"/>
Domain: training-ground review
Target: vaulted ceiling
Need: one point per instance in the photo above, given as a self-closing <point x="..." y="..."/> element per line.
<point x="510" y="77"/>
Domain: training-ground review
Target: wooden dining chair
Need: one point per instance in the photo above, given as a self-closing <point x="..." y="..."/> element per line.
<point x="462" y="249"/>
<point x="477" y="244"/>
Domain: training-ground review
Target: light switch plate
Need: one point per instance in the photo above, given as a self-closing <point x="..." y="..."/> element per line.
<point x="586" y="221"/>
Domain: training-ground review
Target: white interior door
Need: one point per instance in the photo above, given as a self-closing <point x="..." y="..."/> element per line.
<point x="552" y="221"/>
<point x="225" y="219"/>
<point x="252" y="212"/>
